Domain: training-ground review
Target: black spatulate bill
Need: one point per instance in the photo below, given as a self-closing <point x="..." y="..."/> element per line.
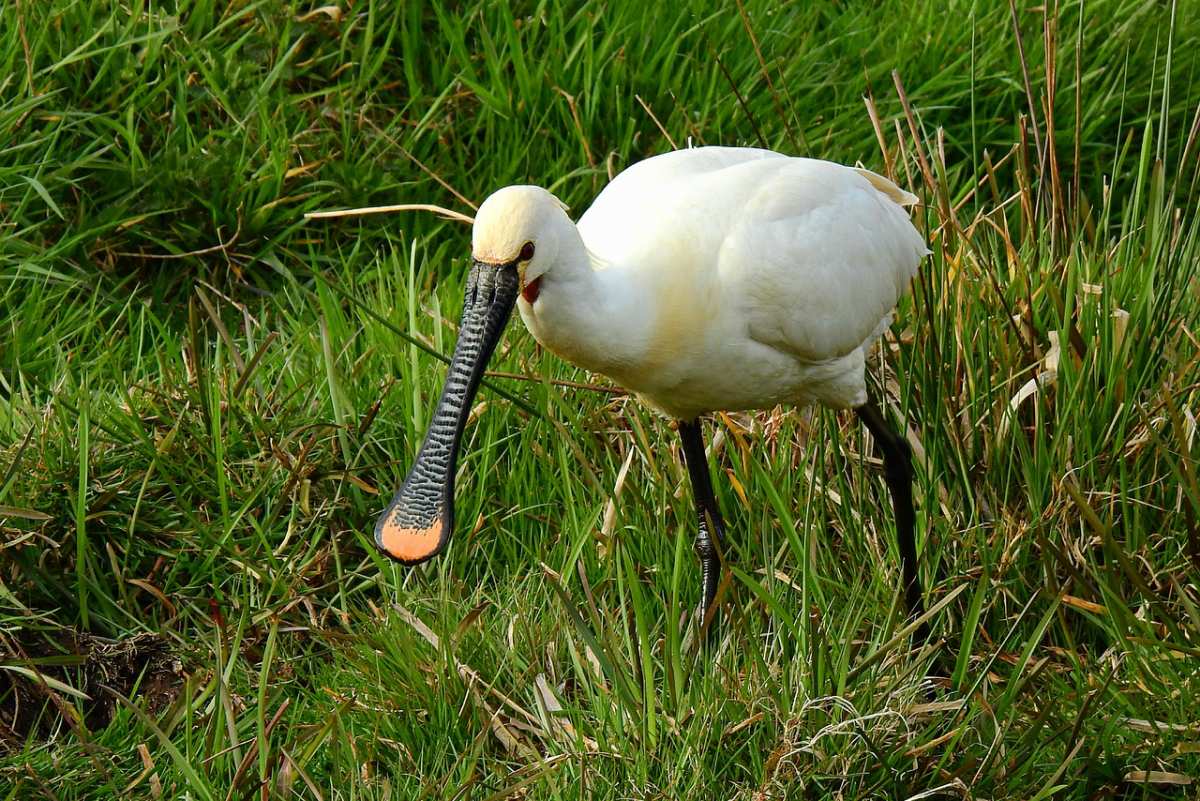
<point x="420" y="519"/>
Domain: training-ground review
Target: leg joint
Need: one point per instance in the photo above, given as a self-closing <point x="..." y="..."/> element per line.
<point x="705" y="548"/>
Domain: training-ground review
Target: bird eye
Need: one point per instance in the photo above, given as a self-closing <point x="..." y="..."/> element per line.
<point x="527" y="251"/>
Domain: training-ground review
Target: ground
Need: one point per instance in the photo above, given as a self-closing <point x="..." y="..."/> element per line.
<point x="208" y="398"/>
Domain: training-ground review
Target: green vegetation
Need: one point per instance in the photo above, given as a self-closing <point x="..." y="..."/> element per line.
<point x="205" y="399"/>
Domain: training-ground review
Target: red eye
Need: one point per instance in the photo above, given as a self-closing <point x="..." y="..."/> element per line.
<point x="527" y="251"/>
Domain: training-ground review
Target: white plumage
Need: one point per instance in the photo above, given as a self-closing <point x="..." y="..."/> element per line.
<point x="715" y="278"/>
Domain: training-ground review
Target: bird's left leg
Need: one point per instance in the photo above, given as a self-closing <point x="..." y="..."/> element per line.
<point x="710" y="538"/>
<point x="897" y="470"/>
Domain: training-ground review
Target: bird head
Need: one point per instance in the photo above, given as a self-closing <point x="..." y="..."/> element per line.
<point x="515" y="240"/>
<point x="521" y="225"/>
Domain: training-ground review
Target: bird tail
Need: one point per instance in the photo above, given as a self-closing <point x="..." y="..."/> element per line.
<point x="886" y="187"/>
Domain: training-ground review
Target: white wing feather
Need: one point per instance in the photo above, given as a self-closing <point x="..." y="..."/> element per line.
<point x="830" y="257"/>
<point x="816" y="254"/>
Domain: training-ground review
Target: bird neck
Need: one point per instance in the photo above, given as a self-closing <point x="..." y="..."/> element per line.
<point x="585" y="311"/>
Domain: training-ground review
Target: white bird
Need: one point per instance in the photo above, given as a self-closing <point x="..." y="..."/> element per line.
<point x="705" y="279"/>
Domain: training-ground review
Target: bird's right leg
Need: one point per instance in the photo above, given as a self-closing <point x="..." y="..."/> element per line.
<point x="710" y="538"/>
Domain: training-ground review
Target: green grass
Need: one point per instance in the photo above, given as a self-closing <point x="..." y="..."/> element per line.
<point x="206" y="400"/>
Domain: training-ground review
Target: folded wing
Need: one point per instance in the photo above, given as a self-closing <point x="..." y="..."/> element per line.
<point x="821" y="255"/>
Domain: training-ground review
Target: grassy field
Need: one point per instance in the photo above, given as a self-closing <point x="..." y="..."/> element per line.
<point x="205" y="400"/>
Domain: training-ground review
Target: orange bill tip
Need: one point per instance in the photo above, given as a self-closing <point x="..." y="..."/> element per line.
<point x="410" y="545"/>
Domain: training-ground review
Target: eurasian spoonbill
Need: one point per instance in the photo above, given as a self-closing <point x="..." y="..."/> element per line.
<point x="704" y="279"/>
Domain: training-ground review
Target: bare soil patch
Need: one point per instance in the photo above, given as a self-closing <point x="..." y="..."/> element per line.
<point x="47" y="676"/>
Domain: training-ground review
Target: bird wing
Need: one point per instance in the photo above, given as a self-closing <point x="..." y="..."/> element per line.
<point x="812" y="255"/>
<point x="666" y="207"/>
<point x="820" y="255"/>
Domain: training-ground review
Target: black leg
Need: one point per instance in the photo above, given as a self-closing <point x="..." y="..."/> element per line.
<point x="710" y="538"/>
<point x="897" y="469"/>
